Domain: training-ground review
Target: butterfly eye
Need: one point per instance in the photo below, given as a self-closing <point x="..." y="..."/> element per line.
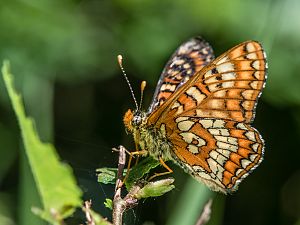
<point x="138" y="118"/>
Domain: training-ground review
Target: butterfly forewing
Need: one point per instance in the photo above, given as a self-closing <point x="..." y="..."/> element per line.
<point x="234" y="81"/>
<point x="228" y="88"/>
<point x="187" y="60"/>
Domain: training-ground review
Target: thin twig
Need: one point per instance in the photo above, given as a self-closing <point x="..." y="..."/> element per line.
<point x="89" y="217"/>
<point x="120" y="205"/>
<point x="205" y="214"/>
<point x="93" y="218"/>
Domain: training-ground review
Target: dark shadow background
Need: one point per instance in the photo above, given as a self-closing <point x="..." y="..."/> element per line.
<point x="63" y="54"/>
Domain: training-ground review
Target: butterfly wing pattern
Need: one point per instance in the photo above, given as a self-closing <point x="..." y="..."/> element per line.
<point x="207" y="119"/>
<point x="186" y="61"/>
<point x="201" y="113"/>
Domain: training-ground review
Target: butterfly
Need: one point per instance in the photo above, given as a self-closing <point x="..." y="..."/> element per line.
<point x="201" y="113"/>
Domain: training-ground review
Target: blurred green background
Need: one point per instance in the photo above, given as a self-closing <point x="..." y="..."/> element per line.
<point x="63" y="54"/>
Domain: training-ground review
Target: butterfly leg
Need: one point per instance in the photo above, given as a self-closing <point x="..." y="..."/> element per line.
<point x="163" y="173"/>
<point x="138" y="155"/>
<point x="131" y="155"/>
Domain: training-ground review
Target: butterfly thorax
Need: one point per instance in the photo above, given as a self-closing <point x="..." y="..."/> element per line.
<point x="147" y="137"/>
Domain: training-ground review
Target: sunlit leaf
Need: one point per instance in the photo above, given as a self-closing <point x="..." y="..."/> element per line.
<point x="56" y="184"/>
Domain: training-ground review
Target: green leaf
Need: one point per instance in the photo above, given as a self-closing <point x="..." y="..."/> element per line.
<point x="56" y="184"/>
<point x="108" y="203"/>
<point x="140" y="170"/>
<point x="108" y="175"/>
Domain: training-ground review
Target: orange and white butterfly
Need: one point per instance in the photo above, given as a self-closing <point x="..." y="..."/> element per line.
<point x="201" y="113"/>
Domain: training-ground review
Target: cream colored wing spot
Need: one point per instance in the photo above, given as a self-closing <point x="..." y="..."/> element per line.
<point x="196" y="94"/>
<point x="216" y="168"/>
<point x="253" y="157"/>
<point x="228" y="84"/>
<point x="220" y="94"/>
<point x="248" y="94"/>
<point x="177" y="106"/>
<point x="223" y="60"/>
<point x="225" y="67"/>
<point x="229" y="140"/>
<point x="250" y="135"/>
<point x="191" y="138"/>
<point x="257" y="74"/>
<point x="221" y="138"/>
<point x="250" y="47"/>
<point x="224" y="152"/>
<point x="177" y="62"/>
<point x="186" y="65"/>
<point x="198" y="169"/>
<point x="185" y="47"/>
<point x="255" y="64"/>
<point x="254" y="84"/>
<point x="219" y="124"/>
<point x="188" y="72"/>
<point x="229" y="76"/>
<point x="193" y="149"/>
<point x="207" y="74"/>
<point x="247" y="105"/>
<point x="255" y="147"/>
<point x="232" y="140"/>
<point x="241" y="126"/>
<point x="212" y="123"/>
<point x="251" y="56"/>
<point x="206" y="123"/>
<point x="203" y="175"/>
<point x="218" y="157"/>
<point x="245" y="163"/>
<point x="230" y="147"/>
<point x="185" y="125"/>
<point x="238" y="172"/>
<point x="211" y="79"/>
<point x="223" y="132"/>
<point x="213" y="87"/>
<point x="169" y="87"/>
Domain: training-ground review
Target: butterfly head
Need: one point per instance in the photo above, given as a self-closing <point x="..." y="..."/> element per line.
<point x="134" y="120"/>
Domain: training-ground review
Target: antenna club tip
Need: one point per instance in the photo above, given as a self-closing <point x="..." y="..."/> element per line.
<point x="120" y="58"/>
<point x="143" y="85"/>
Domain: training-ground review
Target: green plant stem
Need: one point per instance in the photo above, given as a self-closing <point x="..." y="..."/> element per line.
<point x="189" y="203"/>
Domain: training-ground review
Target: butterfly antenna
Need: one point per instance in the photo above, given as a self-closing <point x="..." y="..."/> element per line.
<point x="143" y="85"/>
<point x="120" y="58"/>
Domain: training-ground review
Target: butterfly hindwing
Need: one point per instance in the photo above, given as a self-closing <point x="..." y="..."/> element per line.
<point x="186" y="61"/>
<point x="221" y="153"/>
